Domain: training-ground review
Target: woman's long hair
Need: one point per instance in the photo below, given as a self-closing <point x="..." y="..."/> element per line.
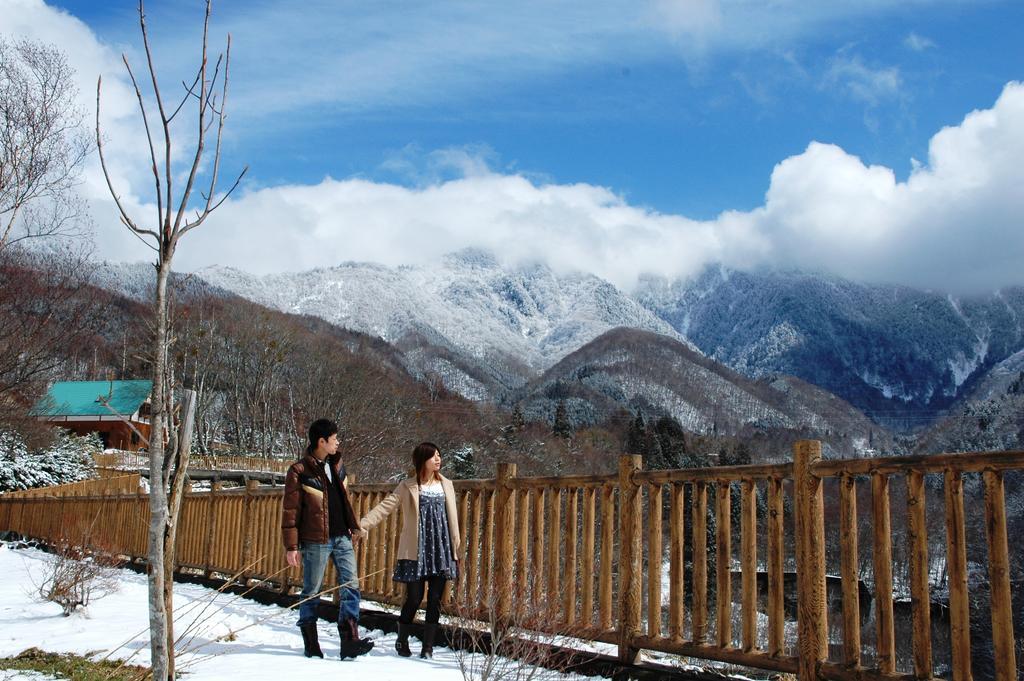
<point x="423" y="453"/>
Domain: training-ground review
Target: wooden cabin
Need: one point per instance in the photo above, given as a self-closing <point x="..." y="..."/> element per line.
<point x="103" y="407"/>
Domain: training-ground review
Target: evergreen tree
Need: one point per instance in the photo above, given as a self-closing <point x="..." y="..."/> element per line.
<point x="518" y="421"/>
<point x="1017" y="387"/>
<point x="636" y="435"/>
<point x="654" y="458"/>
<point x="562" y="427"/>
<point x="736" y="455"/>
<point x="672" y="441"/>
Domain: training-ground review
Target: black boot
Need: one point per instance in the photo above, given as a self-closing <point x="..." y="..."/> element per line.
<point x="351" y="644"/>
<point x="310" y="643"/>
<point x="402" y="644"/>
<point x="427" y="651"/>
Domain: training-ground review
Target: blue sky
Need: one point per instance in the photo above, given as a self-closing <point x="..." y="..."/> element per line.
<point x="677" y="113"/>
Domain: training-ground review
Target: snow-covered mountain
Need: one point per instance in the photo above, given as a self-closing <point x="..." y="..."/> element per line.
<point x="466" y="318"/>
<point x="653" y="374"/>
<point x="902" y="355"/>
<point x="991" y="418"/>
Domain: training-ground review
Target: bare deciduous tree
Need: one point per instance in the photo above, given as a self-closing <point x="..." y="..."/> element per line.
<point x="177" y="213"/>
<point x="47" y="312"/>
<point x="42" y="144"/>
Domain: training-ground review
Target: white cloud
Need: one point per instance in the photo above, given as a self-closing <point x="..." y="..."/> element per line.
<point x="953" y="224"/>
<point x="850" y="75"/>
<point x="918" y="43"/>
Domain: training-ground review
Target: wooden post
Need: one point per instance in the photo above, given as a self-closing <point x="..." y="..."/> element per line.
<point x="604" y="584"/>
<point x="465" y="499"/>
<point x="362" y="505"/>
<point x="380" y="577"/>
<point x="211" y="527"/>
<point x="776" y="603"/>
<point x="810" y="560"/>
<point x="699" y="525"/>
<point x="882" y="529"/>
<point x="920" y="603"/>
<point x="748" y="536"/>
<point x="999" y="577"/>
<point x="956" y="558"/>
<point x="630" y="576"/>
<point x="654" y="530"/>
<point x="571" y="533"/>
<point x="248" y="527"/>
<point x="677" y="527"/>
<point x="504" y="511"/>
<point x="537" y="576"/>
<point x="554" y="570"/>
<point x="487" y="549"/>
<point x="723" y="563"/>
<point x="522" y="551"/>
<point x="849" y="569"/>
<point x="587" y="569"/>
<point x="473" y="542"/>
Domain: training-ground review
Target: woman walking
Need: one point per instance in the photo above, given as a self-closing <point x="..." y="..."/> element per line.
<point x="428" y="545"/>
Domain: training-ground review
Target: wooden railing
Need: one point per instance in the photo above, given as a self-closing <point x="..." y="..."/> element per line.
<point x="991" y="468"/>
<point x="591" y="554"/>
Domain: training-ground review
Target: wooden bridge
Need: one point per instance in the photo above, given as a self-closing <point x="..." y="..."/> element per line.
<point x="588" y="556"/>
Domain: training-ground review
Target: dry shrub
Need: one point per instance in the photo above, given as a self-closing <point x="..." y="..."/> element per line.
<point x="79" y="571"/>
<point x="515" y="648"/>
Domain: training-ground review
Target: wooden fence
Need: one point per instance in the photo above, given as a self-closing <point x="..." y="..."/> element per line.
<point x="589" y="555"/>
<point x="123" y="483"/>
<point x="218" y="462"/>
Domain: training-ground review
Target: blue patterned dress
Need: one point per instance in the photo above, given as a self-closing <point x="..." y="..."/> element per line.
<point x="435" y="545"/>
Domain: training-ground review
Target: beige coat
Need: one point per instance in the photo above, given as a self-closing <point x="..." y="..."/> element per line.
<point x="407" y="496"/>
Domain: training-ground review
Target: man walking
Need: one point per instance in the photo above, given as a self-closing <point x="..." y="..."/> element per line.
<point x="317" y="524"/>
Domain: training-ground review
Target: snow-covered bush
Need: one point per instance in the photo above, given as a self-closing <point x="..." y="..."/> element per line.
<point x="67" y="459"/>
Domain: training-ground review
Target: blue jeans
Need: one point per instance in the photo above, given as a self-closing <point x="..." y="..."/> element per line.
<point x="314" y="565"/>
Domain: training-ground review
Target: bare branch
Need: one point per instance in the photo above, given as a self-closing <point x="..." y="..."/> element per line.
<point x="106" y="173"/>
<point x="202" y="216"/>
<point x="188" y="93"/>
<point x="149" y="139"/>
<point x="105" y="401"/>
<point x="168" y="177"/>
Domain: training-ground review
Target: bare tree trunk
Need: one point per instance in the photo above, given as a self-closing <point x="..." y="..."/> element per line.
<point x="157" y="486"/>
<point x="174" y="513"/>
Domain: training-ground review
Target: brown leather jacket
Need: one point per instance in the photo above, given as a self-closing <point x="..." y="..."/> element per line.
<point x="304" y="516"/>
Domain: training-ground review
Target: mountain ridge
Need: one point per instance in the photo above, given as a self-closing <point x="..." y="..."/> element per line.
<point x="902" y="355"/>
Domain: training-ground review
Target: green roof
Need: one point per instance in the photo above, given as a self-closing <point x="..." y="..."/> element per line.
<point x="81" y="398"/>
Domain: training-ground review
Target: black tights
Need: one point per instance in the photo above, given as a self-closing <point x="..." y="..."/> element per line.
<point x="414" y="596"/>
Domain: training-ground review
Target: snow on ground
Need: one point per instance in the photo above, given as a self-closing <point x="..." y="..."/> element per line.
<point x="265" y="645"/>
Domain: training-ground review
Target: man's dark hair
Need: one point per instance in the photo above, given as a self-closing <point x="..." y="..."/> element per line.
<point x="321" y="428"/>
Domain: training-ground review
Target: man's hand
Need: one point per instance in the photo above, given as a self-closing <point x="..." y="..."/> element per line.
<point x="292" y="558"/>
